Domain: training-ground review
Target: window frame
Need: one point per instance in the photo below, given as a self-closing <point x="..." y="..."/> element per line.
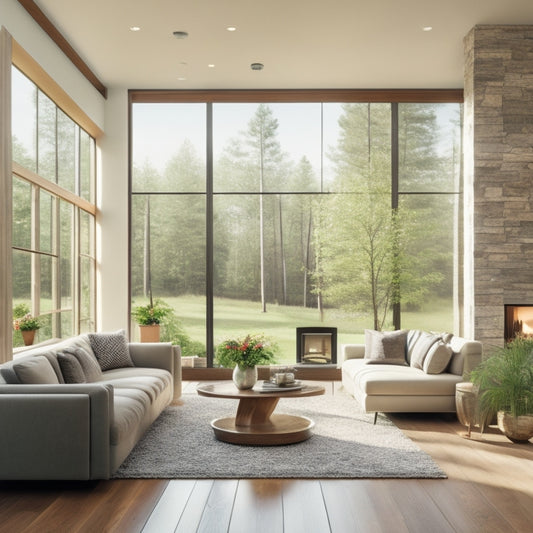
<point x="393" y="97"/>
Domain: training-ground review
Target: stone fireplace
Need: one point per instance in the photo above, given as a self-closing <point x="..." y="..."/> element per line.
<point x="498" y="177"/>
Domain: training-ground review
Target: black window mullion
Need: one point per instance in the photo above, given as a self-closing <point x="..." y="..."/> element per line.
<point x="396" y="306"/>
<point x="209" y="270"/>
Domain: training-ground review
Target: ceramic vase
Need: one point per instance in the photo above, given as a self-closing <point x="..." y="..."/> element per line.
<point x="244" y="378"/>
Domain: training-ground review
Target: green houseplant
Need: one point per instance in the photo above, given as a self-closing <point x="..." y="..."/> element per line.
<point x="505" y="383"/>
<point x="26" y="323"/>
<point x="149" y="318"/>
<point x="244" y="354"/>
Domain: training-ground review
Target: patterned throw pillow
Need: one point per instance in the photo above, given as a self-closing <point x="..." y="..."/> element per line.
<point x="385" y="347"/>
<point x="111" y="349"/>
<point x="71" y="368"/>
<point x="88" y="363"/>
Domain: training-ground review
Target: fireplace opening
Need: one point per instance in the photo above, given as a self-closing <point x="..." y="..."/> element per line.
<point x="316" y="346"/>
<point x="518" y="321"/>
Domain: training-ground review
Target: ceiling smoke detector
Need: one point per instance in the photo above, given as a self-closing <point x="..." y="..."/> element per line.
<point x="180" y="34"/>
<point x="257" y="66"/>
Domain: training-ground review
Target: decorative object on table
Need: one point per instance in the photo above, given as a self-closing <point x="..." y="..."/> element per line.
<point x="244" y="353"/>
<point x="466" y="395"/>
<point x="149" y="318"/>
<point x="270" y="386"/>
<point x="505" y="383"/>
<point x="26" y="323"/>
<point x="282" y="375"/>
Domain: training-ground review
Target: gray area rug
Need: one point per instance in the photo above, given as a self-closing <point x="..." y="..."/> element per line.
<point x="345" y="444"/>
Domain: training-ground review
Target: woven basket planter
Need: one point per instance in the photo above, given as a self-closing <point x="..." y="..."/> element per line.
<point x="515" y="428"/>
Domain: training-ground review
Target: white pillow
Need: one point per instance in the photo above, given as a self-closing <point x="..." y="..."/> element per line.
<point x="437" y="358"/>
<point x="385" y="347"/>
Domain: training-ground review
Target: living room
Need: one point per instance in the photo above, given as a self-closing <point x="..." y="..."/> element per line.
<point x="496" y="211"/>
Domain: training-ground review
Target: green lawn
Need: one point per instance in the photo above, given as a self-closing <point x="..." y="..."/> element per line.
<point x="239" y="317"/>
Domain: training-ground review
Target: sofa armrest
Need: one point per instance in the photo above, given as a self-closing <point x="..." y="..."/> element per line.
<point x="55" y="431"/>
<point x="159" y="355"/>
<point x="351" y="351"/>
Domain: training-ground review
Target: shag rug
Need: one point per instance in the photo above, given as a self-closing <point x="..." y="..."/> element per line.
<point x="345" y="444"/>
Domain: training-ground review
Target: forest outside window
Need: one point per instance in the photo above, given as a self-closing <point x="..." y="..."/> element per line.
<point x="267" y="216"/>
<point x="53" y="214"/>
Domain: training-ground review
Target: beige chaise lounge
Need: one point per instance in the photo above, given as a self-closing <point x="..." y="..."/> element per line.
<point x="411" y="385"/>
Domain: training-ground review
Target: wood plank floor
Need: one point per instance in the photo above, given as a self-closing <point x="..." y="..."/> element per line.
<point x="489" y="489"/>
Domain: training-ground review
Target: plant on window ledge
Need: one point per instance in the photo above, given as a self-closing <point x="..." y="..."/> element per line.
<point x="152" y="313"/>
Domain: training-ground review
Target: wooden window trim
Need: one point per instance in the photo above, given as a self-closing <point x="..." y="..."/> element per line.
<point x="299" y="96"/>
<point x="46" y="24"/>
<point x="28" y="66"/>
<point x="53" y="188"/>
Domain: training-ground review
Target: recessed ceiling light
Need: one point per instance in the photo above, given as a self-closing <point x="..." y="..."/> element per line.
<point x="427" y="28"/>
<point x="257" y="66"/>
<point x="180" y="34"/>
<point x="211" y="65"/>
<point x="231" y="28"/>
<point x="135" y="28"/>
<point x="181" y="78"/>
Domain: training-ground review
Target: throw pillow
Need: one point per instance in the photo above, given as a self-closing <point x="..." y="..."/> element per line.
<point x="437" y="358"/>
<point x="71" y="368"/>
<point x="420" y="347"/>
<point x="385" y="347"/>
<point x="111" y="349"/>
<point x="89" y="364"/>
<point x="36" y="370"/>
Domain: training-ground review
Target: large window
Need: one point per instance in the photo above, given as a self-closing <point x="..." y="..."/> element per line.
<point x="53" y="215"/>
<point x="263" y="217"/>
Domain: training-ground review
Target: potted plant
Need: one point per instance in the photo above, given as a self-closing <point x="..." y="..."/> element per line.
<point x="26" y="323"/>
<point x="244" y="354"/>
<point x="149" y="318"/>
<point x="505" y="383"/>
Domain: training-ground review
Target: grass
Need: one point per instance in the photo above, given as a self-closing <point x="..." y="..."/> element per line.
<point x="239" y="317"/>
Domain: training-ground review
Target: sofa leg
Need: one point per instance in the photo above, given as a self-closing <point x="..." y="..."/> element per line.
<point x="375" y="417"/>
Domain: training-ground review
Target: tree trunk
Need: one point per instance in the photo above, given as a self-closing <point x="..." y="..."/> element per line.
<point x="282" y="254"/>
<point x="147" y="253"/>
<point x="262" y="224"/>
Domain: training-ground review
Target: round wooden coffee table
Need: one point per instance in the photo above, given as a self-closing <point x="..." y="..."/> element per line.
<point x="254" y="422"/>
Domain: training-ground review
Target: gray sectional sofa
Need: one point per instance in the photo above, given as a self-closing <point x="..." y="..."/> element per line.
<point x="407" y="371"/>
<point x="75" y="409"/>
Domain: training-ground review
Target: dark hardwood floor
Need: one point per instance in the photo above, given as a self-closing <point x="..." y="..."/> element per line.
<point x="489" y="489"/>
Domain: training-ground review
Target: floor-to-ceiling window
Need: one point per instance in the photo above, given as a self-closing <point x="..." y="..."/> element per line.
<point x="264" y="216"/>
<point x="53" y="215"/>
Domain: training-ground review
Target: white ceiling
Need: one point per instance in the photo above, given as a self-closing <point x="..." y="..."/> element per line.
<point x="302" y="43"/>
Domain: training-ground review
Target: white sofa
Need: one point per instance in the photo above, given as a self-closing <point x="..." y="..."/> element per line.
<point x="59" y="420"/>
<point x="397" y="388"/>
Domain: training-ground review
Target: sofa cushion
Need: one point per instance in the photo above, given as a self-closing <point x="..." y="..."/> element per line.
<point x="129" y="408"/>
<point x="88" y="362"/>
<point x="418" y="345"/>
<point x="385" y="347"/>
<point x="35" y="370"/>
<point x="437" y="358"/>
<point x="394" y="380"/>
<point x="111" y="349"/>
<point x="71" y="368"/>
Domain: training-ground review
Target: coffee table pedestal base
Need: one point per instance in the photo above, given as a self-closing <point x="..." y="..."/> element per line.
<point x="278" y="430"/>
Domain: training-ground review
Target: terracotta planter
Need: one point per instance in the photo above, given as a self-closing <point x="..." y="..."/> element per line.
<point x="515" y="428"/>
<point x="28" y="336"/>
<point x="150" y="333"/>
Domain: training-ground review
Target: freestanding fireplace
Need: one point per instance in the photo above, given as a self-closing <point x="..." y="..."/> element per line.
<point x="317" y="346"/>
<point x="518" y="321"/>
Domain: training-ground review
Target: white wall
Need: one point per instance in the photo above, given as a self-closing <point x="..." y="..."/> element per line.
<point x="112" y="220"/>
<point x="35" y="41"/>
